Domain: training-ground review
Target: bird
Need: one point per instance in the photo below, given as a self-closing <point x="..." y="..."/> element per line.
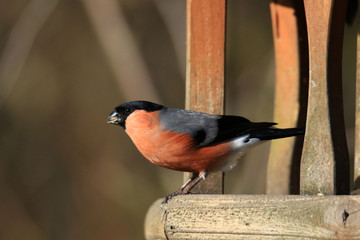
<point x="192" y="141"/>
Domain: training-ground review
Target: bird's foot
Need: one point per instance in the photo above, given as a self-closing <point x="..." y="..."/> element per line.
<point x="187" y="186"/>
<point x="176" y="193"/>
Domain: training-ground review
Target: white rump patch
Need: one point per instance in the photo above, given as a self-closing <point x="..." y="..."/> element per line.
<point x="240" y="145"/>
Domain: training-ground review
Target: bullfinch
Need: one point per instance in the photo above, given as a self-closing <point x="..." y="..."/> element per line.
<point x="191" y="141"/>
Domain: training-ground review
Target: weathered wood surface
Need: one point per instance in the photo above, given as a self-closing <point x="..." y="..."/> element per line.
<point x="205" y="67"/>
<point x="255" y="217"/>
<point x="325" y="159"/>
<point x="291" y="58"/>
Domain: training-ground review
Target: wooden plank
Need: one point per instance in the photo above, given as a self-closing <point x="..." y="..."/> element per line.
<point x="205" y="67"/>
<point x="357" y="115"/>
<point x="325" y="160"/>
<point x="291" y="58"/>
<point x="255" y="217"/>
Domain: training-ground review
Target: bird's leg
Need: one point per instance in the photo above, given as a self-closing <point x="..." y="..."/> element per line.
<point x="187" y="186"/>
<point x="194" y="176"/>
<point x="180" y="191"/>
<point x="195" y="182"/>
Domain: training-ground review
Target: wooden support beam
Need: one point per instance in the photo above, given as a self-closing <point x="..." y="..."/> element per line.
<point x="205" y="67"/>
<point x="254" y="217"/>
<point x="357" y="115"/>
<point x="291" y="58"/>
<point x="325" y="160"/>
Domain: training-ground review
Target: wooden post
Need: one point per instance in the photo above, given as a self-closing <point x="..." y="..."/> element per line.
<point x="357" y="115"/>
<point x="205" y="67"/>
<point x="291" y="58"/>
<point x="325" y="160"/>
<point x="255" y="217"/>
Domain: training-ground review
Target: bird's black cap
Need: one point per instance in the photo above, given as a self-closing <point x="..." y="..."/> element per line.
<point x="121" y="112"/>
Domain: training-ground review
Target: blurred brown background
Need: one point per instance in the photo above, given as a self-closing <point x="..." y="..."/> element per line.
<point x="64" y="65"/>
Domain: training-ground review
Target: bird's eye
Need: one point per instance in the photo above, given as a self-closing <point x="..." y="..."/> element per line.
<point x="127" y="110"/>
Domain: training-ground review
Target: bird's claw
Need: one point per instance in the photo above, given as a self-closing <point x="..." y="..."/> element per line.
<point x="170" y="196"/>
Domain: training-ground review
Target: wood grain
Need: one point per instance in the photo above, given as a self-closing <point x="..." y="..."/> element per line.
<point x="205" y="67"/>
<point x="325" y="159"/>
<point x="255" y="217"/>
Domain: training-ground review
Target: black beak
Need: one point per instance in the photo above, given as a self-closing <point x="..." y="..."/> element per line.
<point x="114" y="118"/>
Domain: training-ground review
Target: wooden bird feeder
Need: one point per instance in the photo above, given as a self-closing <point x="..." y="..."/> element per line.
<point x="308" y="38"/>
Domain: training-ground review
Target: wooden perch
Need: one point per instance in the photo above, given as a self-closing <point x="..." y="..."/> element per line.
<point x="255" y="217"/>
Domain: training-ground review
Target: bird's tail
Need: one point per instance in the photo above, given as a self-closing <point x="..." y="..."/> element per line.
<point x="275" y="133"/>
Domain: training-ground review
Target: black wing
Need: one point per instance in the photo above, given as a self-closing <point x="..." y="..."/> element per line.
<point x="230" y="127"/>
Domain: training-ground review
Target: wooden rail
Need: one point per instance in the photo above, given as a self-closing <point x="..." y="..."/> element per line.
<point x="255" y="217"/>
<point x="308" y="52"/>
